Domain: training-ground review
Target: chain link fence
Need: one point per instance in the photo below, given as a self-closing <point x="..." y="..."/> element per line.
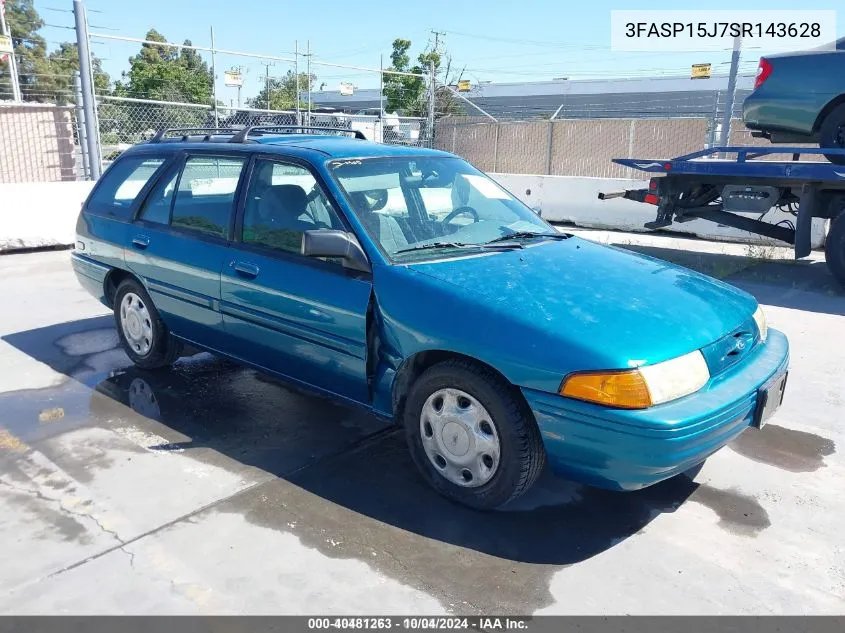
<point x="125" y="121"/>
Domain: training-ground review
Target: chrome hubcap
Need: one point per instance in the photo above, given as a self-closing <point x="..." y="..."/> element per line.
<point x="136" y="323"/>
<point x="459" y="437"/>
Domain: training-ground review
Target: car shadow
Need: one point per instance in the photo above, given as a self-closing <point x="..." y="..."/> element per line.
<point x="216" y="411"/>
<point x="800" y="285"/>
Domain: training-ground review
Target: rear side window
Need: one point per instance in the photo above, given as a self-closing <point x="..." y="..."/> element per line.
<point x="205" y="196"/>
<point x="117" y="190"/>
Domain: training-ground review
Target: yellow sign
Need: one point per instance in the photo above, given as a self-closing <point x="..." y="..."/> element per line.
<point x="700" y="71"/>
<point x="463" y="85"/>
<point x="5" y="44"/>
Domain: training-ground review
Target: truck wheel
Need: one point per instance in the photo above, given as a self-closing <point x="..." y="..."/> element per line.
<point x="834" y="248"/>
<point x="832" y="133"/>
<point x="472" y="438"/>
<point x="141" y="331"/>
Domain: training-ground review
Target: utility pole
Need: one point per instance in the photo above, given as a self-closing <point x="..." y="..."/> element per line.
<point x="308" y="45"/>
<point x="214" y="82"/>
<point x="437" y="35"/>
<point x="432" y="89"/>
<point x="13" y="63"/>
<point x="724" y="136"/>
<point x="87" y="84"/>
<point x="80" y="125"/>
<point x="267" y="80"/>
<point x="296" y="72"/>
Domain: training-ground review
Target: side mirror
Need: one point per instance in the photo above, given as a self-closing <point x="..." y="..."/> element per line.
<point x="333" y="243"/>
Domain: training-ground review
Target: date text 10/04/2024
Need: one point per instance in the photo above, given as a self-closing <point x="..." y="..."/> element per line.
<point x="420" y="623"/>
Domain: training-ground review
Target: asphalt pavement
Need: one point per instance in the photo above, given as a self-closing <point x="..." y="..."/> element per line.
<point x="210" y="488"/>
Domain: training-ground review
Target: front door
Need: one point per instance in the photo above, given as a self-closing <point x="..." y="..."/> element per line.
<point x="304" y="318"/>
<point x="178" y="244"/>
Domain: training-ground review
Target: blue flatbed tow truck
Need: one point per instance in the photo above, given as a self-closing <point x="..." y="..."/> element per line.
<point x="728" y="184"/>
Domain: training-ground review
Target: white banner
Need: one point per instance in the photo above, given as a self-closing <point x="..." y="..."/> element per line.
<point x="716" y="30"/>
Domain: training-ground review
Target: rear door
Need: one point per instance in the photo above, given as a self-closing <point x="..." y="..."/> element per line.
<point x="105" y="218"/>
<point x="299" y="316"/>
<point x="179" y="240"/>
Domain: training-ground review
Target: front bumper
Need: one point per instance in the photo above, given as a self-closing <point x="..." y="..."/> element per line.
<point x="627" y="450"/>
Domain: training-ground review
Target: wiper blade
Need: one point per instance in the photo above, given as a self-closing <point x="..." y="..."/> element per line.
<point x="433" y="245"/>
<point x="527" y="235"/>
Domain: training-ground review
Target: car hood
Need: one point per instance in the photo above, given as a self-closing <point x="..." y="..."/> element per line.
<point x="624" y="308"/>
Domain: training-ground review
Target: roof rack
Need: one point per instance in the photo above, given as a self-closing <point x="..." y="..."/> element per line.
<point x="243" y="135"/>
<point x="185" y="133"/>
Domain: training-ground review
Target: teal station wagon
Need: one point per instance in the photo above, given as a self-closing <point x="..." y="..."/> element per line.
<point x="405" y="281"/>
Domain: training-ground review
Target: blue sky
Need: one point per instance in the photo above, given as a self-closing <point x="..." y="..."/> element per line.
<point x="495" y="41"/>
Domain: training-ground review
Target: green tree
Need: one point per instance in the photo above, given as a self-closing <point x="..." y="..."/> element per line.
<point x="408" y="94"/>
<point x="30" y="53"/>
<point x="403" y="93"/>
<point x="64" y="61"/>
<point x="282" y="92"/>
<point x="166" y="73"/>
<point x="43" y="77"/>
<point x="160" y="72"/>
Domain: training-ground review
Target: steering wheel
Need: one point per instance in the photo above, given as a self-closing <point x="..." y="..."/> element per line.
<point x="461" y="211"/>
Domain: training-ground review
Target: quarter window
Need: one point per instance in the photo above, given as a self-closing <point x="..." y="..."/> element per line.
<point x="121" y="185"/>
<point x="205" y="195"/>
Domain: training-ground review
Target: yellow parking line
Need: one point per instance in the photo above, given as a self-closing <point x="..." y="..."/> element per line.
<point x="9" y="442"/>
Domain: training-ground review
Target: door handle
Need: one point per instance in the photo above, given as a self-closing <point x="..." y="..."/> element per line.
<point x="245" y="269"/>
<point x="141" y="241"/>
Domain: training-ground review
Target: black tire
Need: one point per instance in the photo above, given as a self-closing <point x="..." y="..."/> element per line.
<point x="522" y="456"/>
<point x="834" y="248"/>
<point x="164" y="348"/>
<point x="832" y="133"/>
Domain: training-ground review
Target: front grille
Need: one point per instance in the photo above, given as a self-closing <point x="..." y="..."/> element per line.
<point x="731" y="349"/>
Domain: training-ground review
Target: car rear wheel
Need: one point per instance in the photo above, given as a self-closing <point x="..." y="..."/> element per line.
<point x="832" y="133"/>
<point x="470" y="435"/>
<point x="142" y="333"/>
<point x="834" y="248"/>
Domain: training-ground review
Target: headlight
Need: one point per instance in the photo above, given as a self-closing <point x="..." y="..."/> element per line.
<point x="760" y="320"/>
<point x="642" y="387"/>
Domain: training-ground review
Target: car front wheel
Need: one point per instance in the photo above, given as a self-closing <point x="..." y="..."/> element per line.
<point x="470" y="435"/>
<point x="832" y="134"/>
<point x="142" y="333"/>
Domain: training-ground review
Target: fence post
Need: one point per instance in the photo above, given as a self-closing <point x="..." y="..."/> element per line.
<point x="550" y="145"/>
<point x="724" y="137"/>
<point x="431" y="105"/>
<point x="496" y="148"/>
<point x="714" y="122"/>
<point x="454" y="138"/>
<point x="81" y="136"/>
<point x="214" y="82"/>
<point x="87" y="85"/>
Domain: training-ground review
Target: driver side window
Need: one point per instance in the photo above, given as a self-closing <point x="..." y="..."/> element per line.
<point x="283" y="201"/>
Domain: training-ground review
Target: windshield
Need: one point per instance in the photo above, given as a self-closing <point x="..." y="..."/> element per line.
<point x="410" y="206"/>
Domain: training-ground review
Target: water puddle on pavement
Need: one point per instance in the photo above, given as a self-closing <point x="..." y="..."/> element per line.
<point x="344" y="482"/>
<point x="795" y="451"/>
